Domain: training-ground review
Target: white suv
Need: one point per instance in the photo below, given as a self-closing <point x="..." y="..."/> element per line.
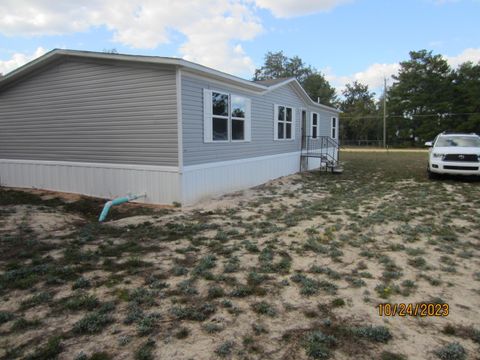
<point x="453" y="153"/>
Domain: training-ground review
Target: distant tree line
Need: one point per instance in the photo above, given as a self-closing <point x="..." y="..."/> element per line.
<point x="426" y="97"/>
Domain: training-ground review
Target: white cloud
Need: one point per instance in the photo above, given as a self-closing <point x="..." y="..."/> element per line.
<point x="469" y="54"/>
<point x="19" y="59"/>
<point x="213" y="28"/>
<point x="374" y="74"/>
<point x="292" y="8"/>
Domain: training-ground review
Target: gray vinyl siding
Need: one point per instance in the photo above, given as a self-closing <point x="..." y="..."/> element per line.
<point x="325" y="124"/>
<point x="100" y="112"/>
<point x="195" y="151"/>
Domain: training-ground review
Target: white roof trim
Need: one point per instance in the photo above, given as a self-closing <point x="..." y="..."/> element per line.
<point x="196" y="68"/>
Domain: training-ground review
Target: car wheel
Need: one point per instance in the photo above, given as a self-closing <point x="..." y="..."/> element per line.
<point x="432" y="175"/>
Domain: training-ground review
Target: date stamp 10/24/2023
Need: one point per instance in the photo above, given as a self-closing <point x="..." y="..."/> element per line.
<point x="417" y="309"/>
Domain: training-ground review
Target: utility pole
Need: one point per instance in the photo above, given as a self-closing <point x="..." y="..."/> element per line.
<point x="384" y="112"/>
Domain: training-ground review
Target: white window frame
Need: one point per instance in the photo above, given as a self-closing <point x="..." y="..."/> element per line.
<point x="208" y="117"/>
<point x="334" y="127"/>
<point x="229" y="125"/>
<point x="244" y="119"/>
<point x="276" y="122"/>
<point x="317" y="126"/>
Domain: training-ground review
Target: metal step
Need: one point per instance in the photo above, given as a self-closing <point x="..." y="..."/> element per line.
<point x="337" y="170"/>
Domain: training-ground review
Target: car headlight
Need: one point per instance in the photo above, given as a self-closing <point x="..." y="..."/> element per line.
<point x="438" y="155"/>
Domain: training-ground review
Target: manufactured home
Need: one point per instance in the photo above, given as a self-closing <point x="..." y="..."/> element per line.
<point x="107" y="125"/>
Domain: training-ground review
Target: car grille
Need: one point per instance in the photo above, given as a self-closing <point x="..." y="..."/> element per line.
<point x="450" y="167"/>
<point x="461" y="157"/>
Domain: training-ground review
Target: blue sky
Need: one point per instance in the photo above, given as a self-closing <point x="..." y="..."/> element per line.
<point x="348" y="40"/>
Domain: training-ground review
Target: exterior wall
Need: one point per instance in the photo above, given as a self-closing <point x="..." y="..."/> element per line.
<point x="99" y="112"/>
<point x="195" y="151"/>
<point x="202" y="181"/>
<point x="161" y="184"/>
<point x="325" y="124"/>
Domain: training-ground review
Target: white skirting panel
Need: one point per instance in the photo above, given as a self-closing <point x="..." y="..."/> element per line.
<point x="201" y="181"/>
<point x="160" y="183"/>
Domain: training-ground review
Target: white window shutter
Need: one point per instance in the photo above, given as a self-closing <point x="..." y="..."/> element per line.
<point x="248" y="120"/>
<point x="294" y="121"/>
<point x="207" y="116"/>
<point x="275" y="122"/>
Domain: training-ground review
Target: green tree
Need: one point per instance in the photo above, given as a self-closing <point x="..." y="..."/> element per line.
<point x="360" y="116"/>
<point x="421" y="97"/>
<point x="466" y="97"/>
<point x="277" y="66"/>
<point x="317" y="87"/>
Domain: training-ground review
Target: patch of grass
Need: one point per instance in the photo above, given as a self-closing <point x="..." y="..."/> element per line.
<point x="23" y="324"/>
<point x="338" y="302"/>
<point x="464" y="332"/>
<point x="215" y="292"/>
<point x="451" y="351"/>
<point x="182" y="333"/>
<point x="371" y="333"/>
<point x="6" y="316"/>
<point x="81" y="283"/>
<point x="386" y="290"/>
<point x="418" y="262"/>
<point x="332" y="274"/>
<point x="387" y="355"/>
<point x="225" y="349"/>
<point x="310" y="286"/>
<point x="50" y="350"/>
<point x="242" y="291"/>
<point x="147" y="324"/>
<point x="319" y="345"/>
<point x="195" y="313"/>
<point x="80" y="301"/>
<point x="37" y="299"/>
<point x="205" y="263"/>
<point x="264" y="308"/>
<point x="92" y="323"/>
<point x="212" y="328"/>
<point x="145" y="351"/>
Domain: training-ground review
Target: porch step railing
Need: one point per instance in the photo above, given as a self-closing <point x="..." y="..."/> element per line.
<point x="324" y="148"/>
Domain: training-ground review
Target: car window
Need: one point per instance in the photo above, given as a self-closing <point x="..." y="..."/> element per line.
<point x="460" y="141"/>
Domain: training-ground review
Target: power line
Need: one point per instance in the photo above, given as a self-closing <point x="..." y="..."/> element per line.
<point x="405" y="117"/>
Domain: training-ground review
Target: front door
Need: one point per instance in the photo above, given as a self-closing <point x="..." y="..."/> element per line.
<point x="304" y="159"/>
<point x="304" y="129"/>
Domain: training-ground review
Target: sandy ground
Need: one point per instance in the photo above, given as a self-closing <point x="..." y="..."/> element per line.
<point x="354" y="235"/>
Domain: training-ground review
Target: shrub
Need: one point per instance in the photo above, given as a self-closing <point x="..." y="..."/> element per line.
<point x="195" y="313"/>
<point x="6" y="316"/>
<point x="318" y="345"/>
<point x="49" y="351"/>
<point x="37" y="299"/>
<point x="452" y="351"/>
<point x="225" y="349"/>
<point x="215" y="292"/>
<point x="144" y="352"/>
<point x="372" y="333"/>
<point x="264" y="308"/>
<point x="81" y="283"/>
<point x="92" y="323"/>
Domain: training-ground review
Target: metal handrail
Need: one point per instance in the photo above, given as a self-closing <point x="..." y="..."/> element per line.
<point x="320" y="146"/>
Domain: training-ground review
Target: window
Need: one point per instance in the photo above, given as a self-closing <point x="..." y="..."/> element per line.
<point x="284" y="123"/>
<point x="220" y="116"/>
<point x="314" y="132"/>
<point x="334" y="128"/>
<point x="239" y="109"/>
<point x="226" y="117"/>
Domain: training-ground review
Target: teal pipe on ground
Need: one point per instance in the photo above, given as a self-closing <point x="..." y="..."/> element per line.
<point x="117" y="201"/>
